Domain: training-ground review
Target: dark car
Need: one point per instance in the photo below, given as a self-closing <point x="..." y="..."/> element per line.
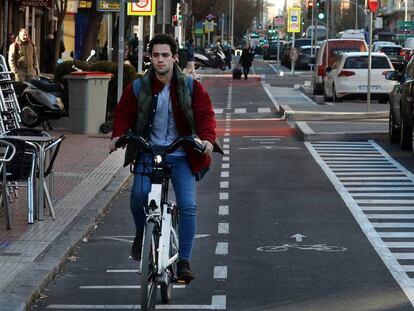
<point x="305" y="57"/>
<point x="270" y="51"/>
<point x="298" y="43"/>
<point x="401" y="106"/>
<point x="396" y="55"/>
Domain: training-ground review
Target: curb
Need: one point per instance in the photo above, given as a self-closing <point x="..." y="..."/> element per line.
<point x="39" y="273"/>
<point x="307" y="134"/>
<point x="291" y="115"/>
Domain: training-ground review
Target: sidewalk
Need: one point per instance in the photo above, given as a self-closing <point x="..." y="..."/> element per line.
<point x="86" y="179"/>
<point x="316" y="120"/>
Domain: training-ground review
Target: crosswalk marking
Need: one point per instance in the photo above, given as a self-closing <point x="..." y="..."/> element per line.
<point x="379" y="193"/>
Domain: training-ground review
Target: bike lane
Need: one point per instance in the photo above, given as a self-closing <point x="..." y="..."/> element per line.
<point x="292" y="242"/>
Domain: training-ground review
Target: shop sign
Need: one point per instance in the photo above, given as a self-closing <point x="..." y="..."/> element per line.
<point x="37" y="3"/>
<point x="108" y="5"/>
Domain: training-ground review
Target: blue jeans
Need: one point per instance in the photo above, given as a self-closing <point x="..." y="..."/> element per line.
<point x="184" y="185"/>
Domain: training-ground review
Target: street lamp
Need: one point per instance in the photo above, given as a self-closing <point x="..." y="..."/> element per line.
<point x="406" y="11"/>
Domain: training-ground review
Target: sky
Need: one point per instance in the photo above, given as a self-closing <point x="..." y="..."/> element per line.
<point x="277" y="4"/>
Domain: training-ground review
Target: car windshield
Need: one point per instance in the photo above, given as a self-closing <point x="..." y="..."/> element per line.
<point x="361" y="62"/>
<point x="391" y="50"/>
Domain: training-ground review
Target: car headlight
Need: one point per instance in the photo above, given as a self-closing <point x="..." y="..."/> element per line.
<point x="59" y="103"/>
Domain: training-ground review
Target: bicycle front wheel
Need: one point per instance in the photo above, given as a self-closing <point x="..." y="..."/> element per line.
<point x="149" y="268"/>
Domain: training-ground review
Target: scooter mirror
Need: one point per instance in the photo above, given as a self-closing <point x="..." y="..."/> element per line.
<point x="60" y="61"/>
<point x="93" y="52"/>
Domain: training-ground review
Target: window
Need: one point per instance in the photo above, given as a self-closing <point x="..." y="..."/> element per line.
<point x="361" y="62"/>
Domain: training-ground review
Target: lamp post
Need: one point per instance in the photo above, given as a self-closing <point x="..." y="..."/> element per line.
<point x="406" y="11"/>
<point x="356" y="14"/>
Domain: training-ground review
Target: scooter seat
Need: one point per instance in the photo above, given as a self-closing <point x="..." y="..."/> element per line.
<point x="47" y="86"/>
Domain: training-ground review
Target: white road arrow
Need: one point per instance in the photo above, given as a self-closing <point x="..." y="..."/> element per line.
<point x="298" y="237"/>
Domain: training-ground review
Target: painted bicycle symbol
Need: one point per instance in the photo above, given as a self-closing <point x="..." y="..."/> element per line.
<point x="315" y="247"/>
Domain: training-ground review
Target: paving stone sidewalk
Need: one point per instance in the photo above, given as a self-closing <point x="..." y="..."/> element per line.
<point x="86" y="177"/>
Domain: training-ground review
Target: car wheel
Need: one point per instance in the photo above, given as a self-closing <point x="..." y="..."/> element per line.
<point x="326" y="98"/>
<point x="394" y="133"/>
<point x="335" y="98"/>
<point x="406" y="133"/>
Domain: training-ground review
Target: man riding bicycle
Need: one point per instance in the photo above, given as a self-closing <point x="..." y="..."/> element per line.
<point x="162" y="107"/>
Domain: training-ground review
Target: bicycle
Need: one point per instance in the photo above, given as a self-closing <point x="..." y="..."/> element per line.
<point x="160" y="243"/>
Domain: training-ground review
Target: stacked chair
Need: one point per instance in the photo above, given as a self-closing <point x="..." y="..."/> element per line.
<point x="9" y="106"/>
<point x="18" y="157"/>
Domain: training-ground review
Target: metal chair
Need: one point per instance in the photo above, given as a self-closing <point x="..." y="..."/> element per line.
<point x="19" y="169"/>
<point x="7" y="153"/>
<point x="53" y="148"/>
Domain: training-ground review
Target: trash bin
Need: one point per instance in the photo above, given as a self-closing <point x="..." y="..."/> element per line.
<point x="88" y="93"/>
<point x="182" y="57"/>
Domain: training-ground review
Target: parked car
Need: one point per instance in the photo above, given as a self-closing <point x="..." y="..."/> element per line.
<point x="270" y="52"/>
<point x="305" y="57"/>
<point x="395" y="54"/>
<point x="328" y="54"/>
<point x="351" y="34"/>
<point x="401" y="106"/>
<point x="348" y="76"/>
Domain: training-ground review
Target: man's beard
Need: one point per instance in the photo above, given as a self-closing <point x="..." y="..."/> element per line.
<point x="162" y="73"/>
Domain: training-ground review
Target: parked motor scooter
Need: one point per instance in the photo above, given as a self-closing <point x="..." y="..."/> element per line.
<point x="41" y="100"/>
<point x="213" y="58"/>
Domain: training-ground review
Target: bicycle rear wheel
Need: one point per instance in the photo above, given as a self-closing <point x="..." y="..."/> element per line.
<point x="166" y="289"/>
<point x="149" y="268"/>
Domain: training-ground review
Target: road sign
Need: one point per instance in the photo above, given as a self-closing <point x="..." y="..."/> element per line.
<point x="293" y="54"/>
<point x="294" y="20"/>
<point x="37" y="3"/>
<point x="279" y="21"/>
<point x="405" y="25"/>
<point x="373" y="5"/>
<point x="141" y="8"/>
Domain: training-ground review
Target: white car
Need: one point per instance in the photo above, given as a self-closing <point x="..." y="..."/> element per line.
<point x="348" y="76"/>
<point x="376" y="46"/>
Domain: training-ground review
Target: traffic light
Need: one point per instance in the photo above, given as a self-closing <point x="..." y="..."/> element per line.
<point x="310" y="8"/>
<point x="320" y="14"/>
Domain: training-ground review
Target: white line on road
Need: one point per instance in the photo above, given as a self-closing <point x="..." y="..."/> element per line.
<point x="393" y="225"/>
<point x="390" y="216"/>
<point x="240" y="110"/>
<point x="121" y="286"/>
<point x="224" y="174"/>
<point x="360" y="173"/>
<point x="224" y="195"/>
<point x="225" y="165"/>
<point x="225" y="184"/>
<point x="264" y="110"/>
<point x="387" y="208"/>
<point x="223" y="210"/>
<point x="396" y="234"/>
<point x="382" y="194"/>
<point x="222" y="248"/>
<point x="223" y="228"/>
<point x="220" y="272"/>
<point x="218" y="302"/>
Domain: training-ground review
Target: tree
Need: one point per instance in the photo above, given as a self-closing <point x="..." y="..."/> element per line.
<point x="94" y="24"/>
<point x="61" y="7"/>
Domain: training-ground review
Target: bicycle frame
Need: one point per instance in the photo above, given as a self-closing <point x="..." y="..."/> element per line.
<point x="160" y="212"/>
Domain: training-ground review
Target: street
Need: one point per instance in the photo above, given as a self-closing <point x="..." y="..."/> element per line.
<point x="282" y="224"/>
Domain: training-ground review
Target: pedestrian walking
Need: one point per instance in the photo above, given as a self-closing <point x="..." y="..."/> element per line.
<point x="179" y="111"/>
<point x="190" y="59"/>
<point x="246" y="59"/>
<point x="23" y="57"/>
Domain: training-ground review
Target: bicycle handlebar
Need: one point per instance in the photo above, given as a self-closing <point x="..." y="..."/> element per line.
<point x="190" y="140"/>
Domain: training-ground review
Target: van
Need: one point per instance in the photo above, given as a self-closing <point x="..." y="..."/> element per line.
<point x="409" y="43"/>
<point x="328" y="54"/>
<point x="351" y="34"/>
<point x="322" y="32"/>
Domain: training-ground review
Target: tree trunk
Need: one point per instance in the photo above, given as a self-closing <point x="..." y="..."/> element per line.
<point x="58" y="36"/>
<point x="94" y="24"/>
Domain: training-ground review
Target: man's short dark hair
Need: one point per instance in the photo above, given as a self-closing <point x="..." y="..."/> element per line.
<point x="163" y="39"/>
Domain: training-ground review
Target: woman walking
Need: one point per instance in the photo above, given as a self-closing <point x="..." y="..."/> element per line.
<point x="246" y="59"/>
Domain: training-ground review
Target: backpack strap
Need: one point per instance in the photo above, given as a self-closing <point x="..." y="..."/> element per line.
<point x="189" y="82"/>
<point x="136" y="86"/>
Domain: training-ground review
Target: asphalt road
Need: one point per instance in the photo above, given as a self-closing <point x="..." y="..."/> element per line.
<point x="273" y="232"/>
